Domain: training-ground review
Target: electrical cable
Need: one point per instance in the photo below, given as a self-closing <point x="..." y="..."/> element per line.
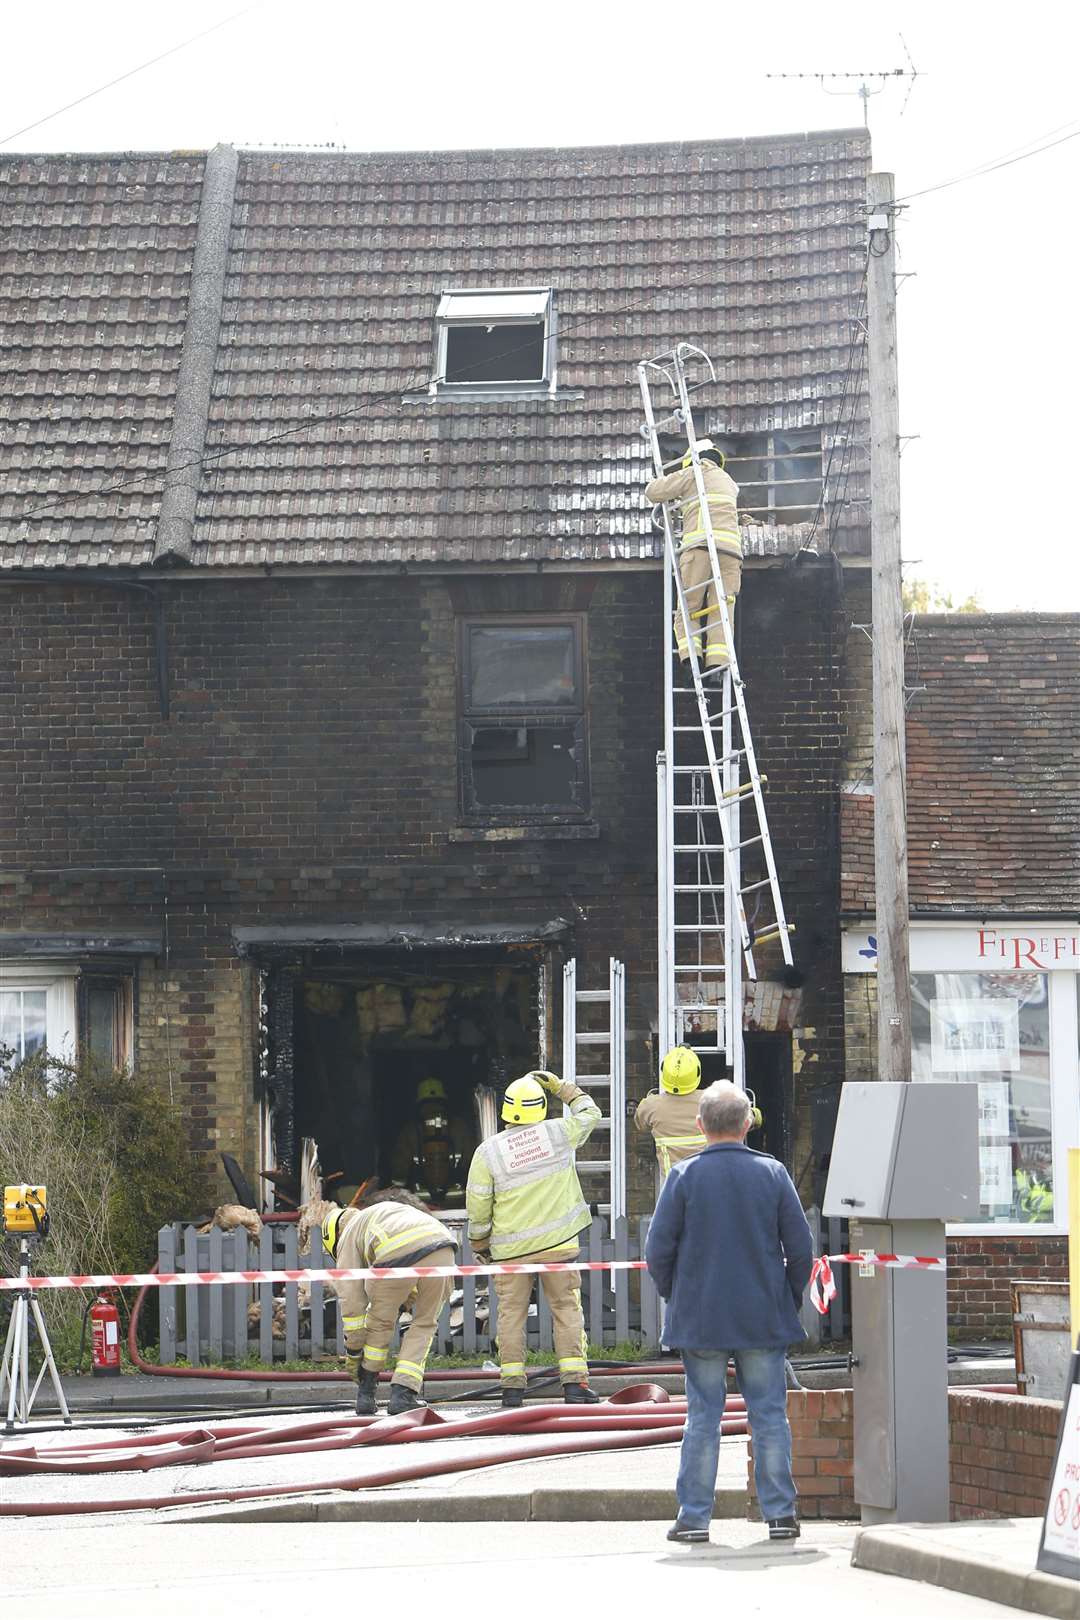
<point x="130" y="74"/>
<point x="989" y="168"/>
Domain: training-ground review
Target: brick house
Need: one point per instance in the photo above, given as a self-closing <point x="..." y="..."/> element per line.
<point x="993" y="778"/>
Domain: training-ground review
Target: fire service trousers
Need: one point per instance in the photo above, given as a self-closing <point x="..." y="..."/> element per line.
<point x="562" y="1290"/>
<point x="695" y="571"/>
<point x="385" y="1300"/>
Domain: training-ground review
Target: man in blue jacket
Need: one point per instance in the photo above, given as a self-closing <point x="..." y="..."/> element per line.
<point x="730" y="1251"/>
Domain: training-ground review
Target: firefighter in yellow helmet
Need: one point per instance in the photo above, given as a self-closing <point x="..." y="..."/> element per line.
<point x="670" y="1114"/>
<point x="695" y="567"/>
<point x="388" y="1234"/>
<point x="525" y="1203"/>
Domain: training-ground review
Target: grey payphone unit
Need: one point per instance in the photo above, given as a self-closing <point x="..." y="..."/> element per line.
<point x="905" y="1160"/>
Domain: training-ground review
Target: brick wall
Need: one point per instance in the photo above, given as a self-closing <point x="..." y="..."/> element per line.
<point x="981" y="1272"/>
<point x="822" y="1453"/>
<point x="308" y="770"/>
<point x="1001" y="1454"/>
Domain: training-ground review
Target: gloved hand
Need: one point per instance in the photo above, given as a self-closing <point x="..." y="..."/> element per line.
<point x="550" y="1082"/>
<point x="481" y="1257"/>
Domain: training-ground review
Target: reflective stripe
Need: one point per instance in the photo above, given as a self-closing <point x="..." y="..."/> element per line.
<point x="573" y="1364"/>
<point x="373" y="1353"/>
<point x="511" y="1369"/>
<point x="354" y="1324"/>
<point x="414" y="1367"/>
<point x="525" y="1237"/>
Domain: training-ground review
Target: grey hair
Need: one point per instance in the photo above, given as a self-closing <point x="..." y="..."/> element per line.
<point x="723" y="1109"/>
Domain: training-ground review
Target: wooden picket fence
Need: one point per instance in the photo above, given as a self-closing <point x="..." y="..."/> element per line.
<point x="214" y="1323"/>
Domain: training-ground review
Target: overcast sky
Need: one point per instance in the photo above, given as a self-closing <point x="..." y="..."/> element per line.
<point x="988" y="324"/>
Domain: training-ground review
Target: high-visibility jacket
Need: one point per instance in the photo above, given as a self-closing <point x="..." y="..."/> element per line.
<point x="672" y="1122"/>
<point x="722" y="493"/>
<point x="385" y="1234"/>
<point x="523" y="1195"/>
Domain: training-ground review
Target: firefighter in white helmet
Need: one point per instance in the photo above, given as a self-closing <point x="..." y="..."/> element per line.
<point x="670" y="1114"/>
<point x="388" y="1234"/>
<point x="525" y="1203"/>
<point x="695" y="567"/>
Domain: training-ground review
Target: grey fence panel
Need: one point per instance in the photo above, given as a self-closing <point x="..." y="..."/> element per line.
<point x="595" y="1328"/>
<point x="265" y="1293"/>
<point x="469" y="1334"/>
<point x="236" y="1335"/>
<point x="317" y="1260"/>
<point x="216" y="1322"/>
<point x="622" y="1282"/>
<point x="192" y="1296"/>
<point x="167" y="1297"/>
<point x="292" y="1298"/>
<point x="650" y="1300"/>
<point x="809" y="1316"/>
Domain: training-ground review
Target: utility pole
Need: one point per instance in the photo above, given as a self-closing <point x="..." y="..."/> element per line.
<point x="890" y="807"/>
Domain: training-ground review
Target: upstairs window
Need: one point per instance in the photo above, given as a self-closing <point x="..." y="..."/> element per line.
<point x="524" y="752"/>
<point x="495" y="340"/>
<point x="779" y="474"/>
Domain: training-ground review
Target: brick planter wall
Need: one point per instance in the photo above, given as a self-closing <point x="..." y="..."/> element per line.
<point x="981" y="1273"/>
<point x="822" y="1453"/>
<point x="1001" y="1452"/>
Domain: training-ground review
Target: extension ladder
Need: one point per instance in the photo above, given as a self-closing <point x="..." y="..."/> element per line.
<point x="582" y="1047"/>
<point x="707" y="777"/>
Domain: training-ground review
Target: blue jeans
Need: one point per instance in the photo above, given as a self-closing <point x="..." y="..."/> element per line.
<point x="761" y="1379"/>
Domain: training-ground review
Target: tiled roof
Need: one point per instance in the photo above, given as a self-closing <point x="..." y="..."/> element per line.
<point x="754" y="249"/>
<point x="993" y="770"/>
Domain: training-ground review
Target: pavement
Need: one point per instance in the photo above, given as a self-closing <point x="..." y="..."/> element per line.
<point x="134" y="1568"/>
<point x="986" y="1558"/>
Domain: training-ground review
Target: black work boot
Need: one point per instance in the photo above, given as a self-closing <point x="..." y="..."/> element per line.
<point x="366" y="1385"/>
<point x="403" y="1399"/>
<point x="579" y="1395"/>
<point x="784" y="1529"/>
<point x="689" y="1538"/>
<point x="513" y="1397"/>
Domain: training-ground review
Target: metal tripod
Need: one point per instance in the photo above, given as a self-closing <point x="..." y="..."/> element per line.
<point x="15" y="1367"/>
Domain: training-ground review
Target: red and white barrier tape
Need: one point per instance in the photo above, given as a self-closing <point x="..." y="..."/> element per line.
<point x="188" y="1279"/>
<point x="823" y="1283"/>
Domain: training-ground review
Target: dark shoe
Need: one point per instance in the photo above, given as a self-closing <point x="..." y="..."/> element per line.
<point x="688" y="1537"/>
<point x="513" y="1397"/>
<point x="579" y="1395"/>
<point x="403" y="1399"/>
<point x="366" y="1385"/>
<point x="784" y="1529"/>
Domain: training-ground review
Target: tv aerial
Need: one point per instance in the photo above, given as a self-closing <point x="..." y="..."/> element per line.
<point x="865" y="88"/>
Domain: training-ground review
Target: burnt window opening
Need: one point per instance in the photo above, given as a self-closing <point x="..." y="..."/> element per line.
<point x="779" y="474"/>
<point x="524" y="744"/>
<point x="105" y="1019"/>
<point x="495" y="338"/>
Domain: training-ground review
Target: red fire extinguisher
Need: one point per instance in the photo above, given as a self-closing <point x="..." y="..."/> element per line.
<point x="104" y="1338"/>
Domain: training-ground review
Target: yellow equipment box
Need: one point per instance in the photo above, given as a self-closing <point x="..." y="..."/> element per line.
<point x="25" y="1212"/>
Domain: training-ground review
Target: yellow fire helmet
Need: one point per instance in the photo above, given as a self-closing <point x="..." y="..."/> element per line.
<point x="701" y="445"/>
<point x="430" y="1088"/>
<point x="331" y="1223"/>
<point x="524" y="1102"/>
<point x="680" y="1072"/>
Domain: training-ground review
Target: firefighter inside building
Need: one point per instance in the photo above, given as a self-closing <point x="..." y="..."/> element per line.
<point x="669" y="1115"/>
<point x="432" y="1147"/>
<point x="695" y="566"/>
<point x="525" y="1203"/>
<point x="388" y="1234"/>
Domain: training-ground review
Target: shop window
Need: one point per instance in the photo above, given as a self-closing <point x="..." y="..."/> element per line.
<point x="993" y="1030"/>
<point x="498" y="338"/>
<point x="523" y="723"/>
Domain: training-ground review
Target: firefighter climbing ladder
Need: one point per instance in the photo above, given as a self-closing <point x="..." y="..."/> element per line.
<point x="607" y="1087"/>
<point x="707" y="914"/>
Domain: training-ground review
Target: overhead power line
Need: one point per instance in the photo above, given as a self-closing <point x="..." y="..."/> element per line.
<point x="130" y="74"/>
<point x="989" y="168"/>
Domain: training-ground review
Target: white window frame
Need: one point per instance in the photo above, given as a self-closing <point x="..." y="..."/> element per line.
<point x="983" y="947"/>
<point x="495" y="306"/>
<point x="58" y="980"/>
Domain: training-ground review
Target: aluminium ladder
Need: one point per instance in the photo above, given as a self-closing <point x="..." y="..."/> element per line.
<point x="704" y="921"/>
<point x="607" y="1086"/>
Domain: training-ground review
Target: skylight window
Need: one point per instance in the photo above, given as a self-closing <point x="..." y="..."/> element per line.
<point x="499" y="340"/>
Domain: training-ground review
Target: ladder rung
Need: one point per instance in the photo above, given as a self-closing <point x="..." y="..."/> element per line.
<point x="593" y="995"/>
<point x="595" y="1167"/>
<point x="714" y="927"/>
<point x="773" y="933"/>
<point x="699" y="967"/>
<point x="599" y="1037"/>
<point x="703" y="770"/>
<point x="698" y="849"/>
<point x="741" y="793"/>
<point x="758" y="838"/>
<point x="699" y="888"/>
<point x="589" y="1082"/>
<point x="750" y="887"/>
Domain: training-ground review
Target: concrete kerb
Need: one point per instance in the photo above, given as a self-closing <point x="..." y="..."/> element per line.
<point x="937" y="1555"/>
<point x="568" y="1505"/>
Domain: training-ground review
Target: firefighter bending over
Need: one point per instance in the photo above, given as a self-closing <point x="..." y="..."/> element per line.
<point x="695" y="567"/>
<point x="525" y="1203"/>
<point x="388" y="1234"/>
<point x="670" y="1114"/>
